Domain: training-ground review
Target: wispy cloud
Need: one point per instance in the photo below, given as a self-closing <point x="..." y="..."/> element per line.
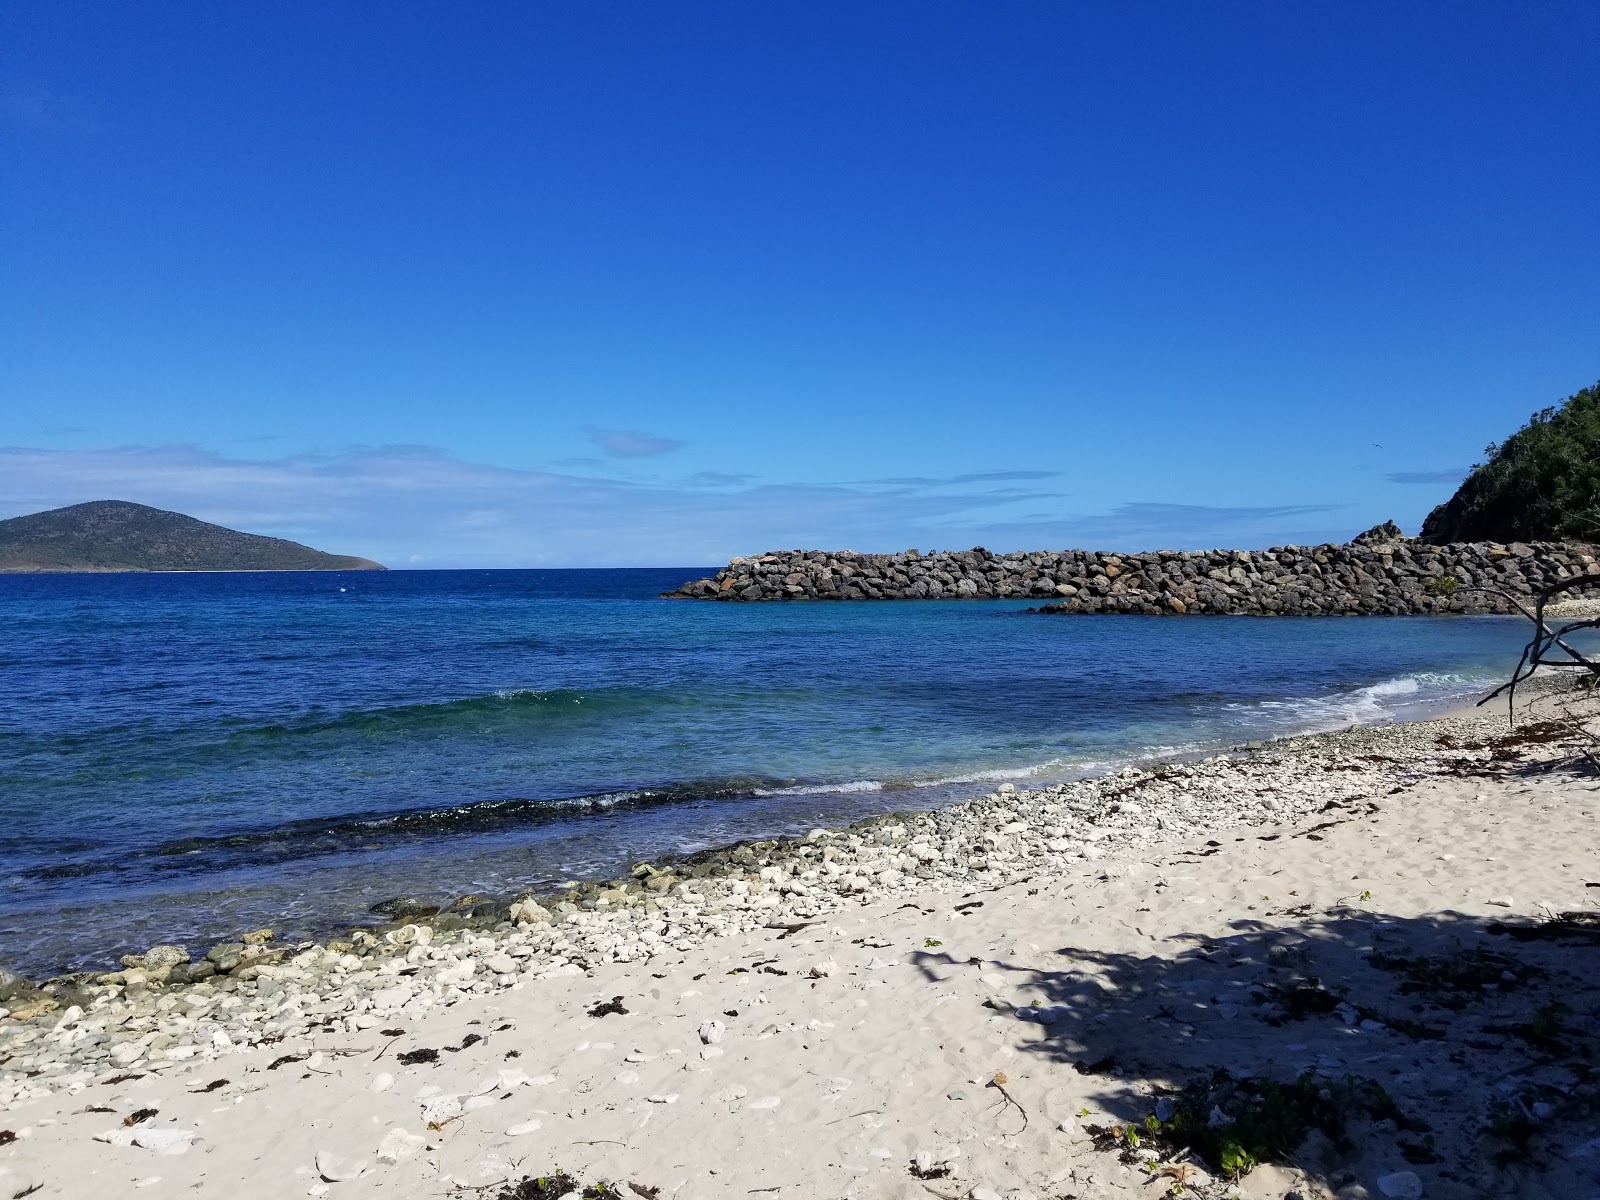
<point x="418" y="506"/>
<point x="630" y="443"/>
<point x="1449" y="475"/>
<point x="959" y="480"/>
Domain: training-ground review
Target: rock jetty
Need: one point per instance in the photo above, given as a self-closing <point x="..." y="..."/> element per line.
<point x="1379" y="573"/>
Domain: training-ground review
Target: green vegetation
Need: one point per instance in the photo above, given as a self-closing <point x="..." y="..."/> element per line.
<point x="116" y="535"/>
<point x="1443" y="585"/>
<point x="1540" y="484"/>
<point x="1234" y="1124"/>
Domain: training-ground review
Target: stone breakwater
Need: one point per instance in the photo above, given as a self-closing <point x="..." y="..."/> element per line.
<point x="1381" y="578"/>
<point x="164" y="1012"/>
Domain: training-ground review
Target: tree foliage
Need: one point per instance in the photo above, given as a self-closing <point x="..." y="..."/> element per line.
<point x="1541" y="484"/>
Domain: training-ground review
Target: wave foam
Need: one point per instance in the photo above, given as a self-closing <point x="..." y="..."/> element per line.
<point x="822" y="789"/>
<point x="1382" y="701"/>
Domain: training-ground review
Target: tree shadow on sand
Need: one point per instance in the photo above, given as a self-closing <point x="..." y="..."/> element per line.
<point x="1350" y="1044"/>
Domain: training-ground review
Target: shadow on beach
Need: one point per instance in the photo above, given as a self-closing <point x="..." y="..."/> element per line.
<point x="1348" y="1044"/>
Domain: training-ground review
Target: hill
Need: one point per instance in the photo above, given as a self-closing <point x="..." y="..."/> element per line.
<point x="117" y="535"/>
<point x="1541" y="484"/>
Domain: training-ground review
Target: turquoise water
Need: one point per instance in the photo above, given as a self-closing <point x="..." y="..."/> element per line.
<point x="185" y="755"/>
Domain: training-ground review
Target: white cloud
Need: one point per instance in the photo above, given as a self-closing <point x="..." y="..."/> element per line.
<point x="630" y="443"/>
<point x="412" y="505"/>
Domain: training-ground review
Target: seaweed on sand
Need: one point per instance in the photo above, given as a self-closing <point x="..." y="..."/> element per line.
<point x="558" y="1184"/>
<point x="1454" y="980"/>
<point x="1234" y="1123"/>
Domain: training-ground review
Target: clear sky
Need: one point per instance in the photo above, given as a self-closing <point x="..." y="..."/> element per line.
<point x="516" y="284"/>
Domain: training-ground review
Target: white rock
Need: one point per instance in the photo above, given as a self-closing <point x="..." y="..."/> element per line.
<point x="71" y="1017"/>
<point x="512" y="1078"/>
<point x="530" y="912"/>
<point x="164" y="1141"/>
<point x="16" y="1179"/>
<point x="474" y="1103"/>
<point x="1498" y="902"/>
<point x="1402" y="1185"/>
<point x="983" y="1193"/>
<point x="523" y="1127"/>
<point x="335" y="1168"/>
<point x="711" y="1032"/>
<point x="441" y="1108"/>
<point x="671" y="1098"/>
<point x="765" y="1102"/>
<point x="399" y="1145"/>
<point x="823" y="969"/>
<point x="382" y="1081"/>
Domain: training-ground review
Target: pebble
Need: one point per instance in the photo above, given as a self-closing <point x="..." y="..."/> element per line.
<point x="382" y="1081"/>
<point x="524" y="1127"/>
<point x="335" y="1168"/>
<point x="765" y="1102"/>
<point x="400" y="1144"/>
<point x="1402" y="1185"/>
<point x="711" y="1032"/>
<point x="441" y="1108"/>
<point x="160" y="1141"/>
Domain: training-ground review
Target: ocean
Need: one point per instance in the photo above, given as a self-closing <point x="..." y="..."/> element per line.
<point x="183" y="757"/>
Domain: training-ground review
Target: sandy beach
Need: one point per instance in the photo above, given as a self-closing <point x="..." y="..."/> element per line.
<point x="980" y="1002"/>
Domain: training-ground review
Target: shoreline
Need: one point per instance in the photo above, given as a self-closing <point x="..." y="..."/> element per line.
<point x="485" y="912"/>
<point x="879" y="905"/>
<point x="894" y="902"/>
<point x="650" y="887"/>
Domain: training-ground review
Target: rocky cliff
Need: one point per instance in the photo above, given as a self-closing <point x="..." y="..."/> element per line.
<point x="1377" y="574"/>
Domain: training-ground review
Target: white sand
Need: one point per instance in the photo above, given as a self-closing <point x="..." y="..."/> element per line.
<point x="852" y="1046"/>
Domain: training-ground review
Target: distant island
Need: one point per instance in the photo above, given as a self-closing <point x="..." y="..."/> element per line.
<point x="118" y="535"/>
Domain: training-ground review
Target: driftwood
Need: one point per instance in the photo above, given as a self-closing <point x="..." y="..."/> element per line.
<point x="1549" y="646"/>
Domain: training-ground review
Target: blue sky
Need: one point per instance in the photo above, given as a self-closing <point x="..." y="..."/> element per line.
<point x="607" y="284"/>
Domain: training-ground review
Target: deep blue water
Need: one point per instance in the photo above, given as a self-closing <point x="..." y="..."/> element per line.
<point x="182" y="756"/>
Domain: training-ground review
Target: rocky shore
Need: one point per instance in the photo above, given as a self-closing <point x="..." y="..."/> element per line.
<point x="1340" y="967"/>
<point x="1379" y="573"/>
<point x="164" y="1007"/>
